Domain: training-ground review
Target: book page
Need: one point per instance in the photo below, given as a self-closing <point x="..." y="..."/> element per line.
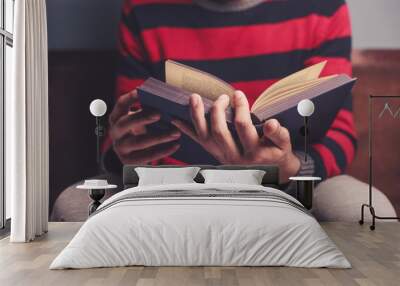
<point x="307" y="74"/>
<point x="196" y="81"/>
<point x="288" y="91"/>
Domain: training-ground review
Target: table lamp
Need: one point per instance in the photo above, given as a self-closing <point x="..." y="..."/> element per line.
<point x="97" y="187"/>
<point x="305" y="108"/>
<point x="98" y="108"/>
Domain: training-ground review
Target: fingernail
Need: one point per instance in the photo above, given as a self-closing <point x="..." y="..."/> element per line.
<point x="195" y="99"/>
<point x="176" y="134"/>
<point x="155" y="116"/>
<point x="238" y="94"/>
<point x="224" y="97"/>
<point x="237" y="97"/>
<point x="272" y="125"/>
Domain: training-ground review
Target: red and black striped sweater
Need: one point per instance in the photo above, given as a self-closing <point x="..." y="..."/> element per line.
<point x="250" y="48"/>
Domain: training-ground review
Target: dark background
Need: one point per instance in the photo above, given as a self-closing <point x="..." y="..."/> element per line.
<point x="82" y="47"/>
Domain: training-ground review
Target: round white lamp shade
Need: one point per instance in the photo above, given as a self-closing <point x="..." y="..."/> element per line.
<point x="305" y="107"/>
<point x="98" y="107"/>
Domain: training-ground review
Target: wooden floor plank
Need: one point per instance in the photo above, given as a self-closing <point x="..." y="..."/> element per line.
<point x="375" y="257"/>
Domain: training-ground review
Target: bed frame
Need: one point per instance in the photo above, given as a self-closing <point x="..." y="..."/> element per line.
<point x="270" y="179"/>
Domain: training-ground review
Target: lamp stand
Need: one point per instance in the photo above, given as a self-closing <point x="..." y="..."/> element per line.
<point x="99" y="131"/>
<point x="305" y="137"/>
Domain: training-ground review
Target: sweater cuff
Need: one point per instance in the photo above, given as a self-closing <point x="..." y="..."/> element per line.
<point x="307" y="168"/>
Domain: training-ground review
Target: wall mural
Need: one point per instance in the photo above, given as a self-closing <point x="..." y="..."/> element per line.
<point x="80" y="74"/>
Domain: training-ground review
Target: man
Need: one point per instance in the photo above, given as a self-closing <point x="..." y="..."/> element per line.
<point x="250" y="44"/>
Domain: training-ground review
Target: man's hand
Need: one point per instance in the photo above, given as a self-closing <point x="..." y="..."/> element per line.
<point x="131" y="142"/>
<point x="273" y="148"/>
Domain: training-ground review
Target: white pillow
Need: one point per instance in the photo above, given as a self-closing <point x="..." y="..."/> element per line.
<point x="248" y="177"/>
<point x="163" y="176"/>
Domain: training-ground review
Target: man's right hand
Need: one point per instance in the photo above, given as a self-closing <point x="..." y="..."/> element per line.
<point x="131" y="141"/>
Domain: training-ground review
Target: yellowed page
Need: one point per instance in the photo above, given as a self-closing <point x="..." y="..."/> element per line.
<point x="289" y="93"/>
<point x="292" y="89"/>
<point x="299" y="77"/>
<point x="196" y="81"/>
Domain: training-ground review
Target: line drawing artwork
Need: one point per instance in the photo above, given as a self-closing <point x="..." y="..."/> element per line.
<point x="387" y="109"/>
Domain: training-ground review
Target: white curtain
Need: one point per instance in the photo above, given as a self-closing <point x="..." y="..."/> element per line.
<point x="27" y="124"/>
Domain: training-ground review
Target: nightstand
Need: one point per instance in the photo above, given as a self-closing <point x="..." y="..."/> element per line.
<point x="304" y="189"/>
<point x="96" y="190"/>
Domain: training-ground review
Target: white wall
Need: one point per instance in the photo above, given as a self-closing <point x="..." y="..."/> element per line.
<point x="376" y="23"/>
<point x="92" y="24"/>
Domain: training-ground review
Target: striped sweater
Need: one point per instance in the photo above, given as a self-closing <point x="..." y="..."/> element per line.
<point x="250" y="49"/>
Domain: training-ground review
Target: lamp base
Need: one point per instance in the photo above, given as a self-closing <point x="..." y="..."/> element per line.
<point x="305" y="190"/>
<point x="96" y="195"/>
<point x="304" y="193"/>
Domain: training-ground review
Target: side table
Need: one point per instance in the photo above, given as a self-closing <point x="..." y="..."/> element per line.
<point x="305" y="189"/>
<point x="96" y="190"/>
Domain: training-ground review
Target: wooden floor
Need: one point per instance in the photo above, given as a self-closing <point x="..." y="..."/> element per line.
<point x="375" y="257"/>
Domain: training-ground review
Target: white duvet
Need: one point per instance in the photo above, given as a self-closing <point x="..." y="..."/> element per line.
<point x="207" y="230"/>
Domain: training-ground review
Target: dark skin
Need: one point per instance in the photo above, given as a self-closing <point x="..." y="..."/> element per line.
<point x="131" y="141"/>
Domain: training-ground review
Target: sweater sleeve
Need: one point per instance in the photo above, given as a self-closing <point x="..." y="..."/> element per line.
<point x="336" y="150"/>
<point x="133" y="69"/>
<point x="133" y="66"/>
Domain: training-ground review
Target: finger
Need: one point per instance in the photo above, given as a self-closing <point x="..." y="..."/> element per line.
<point x="244" y="126"/>
<point x="122" y="106"/>
<point x="186" y="129"/>
<point x="267" y="155"/>
<point x="219" y="127"/>
<point x="151" y="154"/>
<point x="197" y="114"/>
<point x="131" y="122"/>
<point x="135" y="143"/>
<point x="276" y="133"/>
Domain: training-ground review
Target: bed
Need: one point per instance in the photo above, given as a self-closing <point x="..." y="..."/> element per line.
<point x="201" y="224"/>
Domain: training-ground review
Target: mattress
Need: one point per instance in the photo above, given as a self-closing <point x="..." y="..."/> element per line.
<point x="201" y="225"/>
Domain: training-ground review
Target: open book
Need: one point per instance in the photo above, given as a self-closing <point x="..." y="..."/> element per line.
<point x="279" y="100"/>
